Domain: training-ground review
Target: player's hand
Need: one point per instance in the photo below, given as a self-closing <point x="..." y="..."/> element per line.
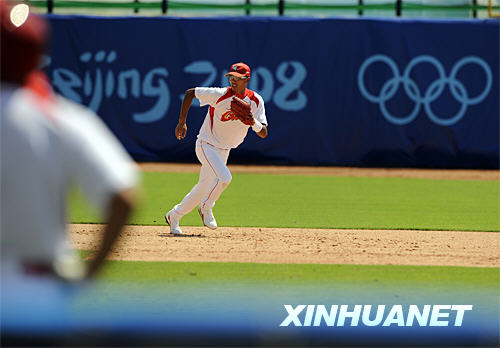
<point x="181" y="131"/>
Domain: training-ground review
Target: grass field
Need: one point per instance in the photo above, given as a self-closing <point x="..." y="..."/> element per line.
<point x="433" y="278"/>
<point x="326" y="202"/>
<point x="317" y="202"/>
<point x="285" y="283"/>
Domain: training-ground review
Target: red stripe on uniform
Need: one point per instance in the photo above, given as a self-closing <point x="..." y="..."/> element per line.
<point x="38" y="83"/>
<point x="229" y="94"/>
<point x="211" y="111"/>
<point x="217" y="183"/>
<point x="202" y="150"/>
<point x="250" y="94"/>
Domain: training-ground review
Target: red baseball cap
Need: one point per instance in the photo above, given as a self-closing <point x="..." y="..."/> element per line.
<point x="239" y="70"/>
<point x="22" y="41"/>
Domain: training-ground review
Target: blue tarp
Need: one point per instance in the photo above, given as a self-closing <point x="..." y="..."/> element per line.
<point x="350" y="92"/>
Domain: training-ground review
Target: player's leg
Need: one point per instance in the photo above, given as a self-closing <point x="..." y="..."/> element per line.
<point x="194" y="197"/>
<point x="217" y="159"/>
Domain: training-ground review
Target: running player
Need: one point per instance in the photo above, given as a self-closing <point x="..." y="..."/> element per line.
<point x="221" y="131"/>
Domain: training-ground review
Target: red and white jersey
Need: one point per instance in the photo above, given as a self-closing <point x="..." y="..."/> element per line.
<point x="221" y="127"/>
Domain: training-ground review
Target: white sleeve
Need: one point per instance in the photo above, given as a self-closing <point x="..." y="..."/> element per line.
<point x="97" y="162"/>
<point x="260" y="114"/>
<point x="209" y="95"/>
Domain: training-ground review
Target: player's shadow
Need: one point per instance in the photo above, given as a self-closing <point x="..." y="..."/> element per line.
<point x="170" y="235"/>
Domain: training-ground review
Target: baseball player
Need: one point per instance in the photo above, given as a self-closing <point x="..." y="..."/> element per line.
<point x="231" y="111"/>
<point x="48" y="145"/>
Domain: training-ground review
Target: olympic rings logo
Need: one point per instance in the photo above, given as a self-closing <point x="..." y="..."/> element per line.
<point x="432" y="93"/>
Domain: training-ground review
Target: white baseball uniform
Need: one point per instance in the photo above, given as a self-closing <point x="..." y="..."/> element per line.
<point x="221" y="131"/>
<point x="49" y="144"/>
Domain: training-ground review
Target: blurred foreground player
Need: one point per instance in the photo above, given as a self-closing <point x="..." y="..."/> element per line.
<point x="48" y="145"/>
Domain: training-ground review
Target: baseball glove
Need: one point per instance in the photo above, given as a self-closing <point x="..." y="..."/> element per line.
<point x="242" y="111"/>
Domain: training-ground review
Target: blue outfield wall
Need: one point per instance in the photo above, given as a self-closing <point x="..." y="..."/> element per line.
<point x="350" y="92"/>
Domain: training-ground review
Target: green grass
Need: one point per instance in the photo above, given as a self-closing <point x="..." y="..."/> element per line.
<point x="317" y="202"/>
<point x="221" y="272"/>
<point x="164" y="288"/>
<point x="301" y="281"/>
<point x="324" y="202"/>
<point x="192" y="273"/>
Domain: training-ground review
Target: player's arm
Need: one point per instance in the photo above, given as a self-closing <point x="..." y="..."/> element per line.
<point x="181" y="129"/>
<point x="118" y="210"/>
<point x="260" y="120"/>
<point x="98" y="164"/>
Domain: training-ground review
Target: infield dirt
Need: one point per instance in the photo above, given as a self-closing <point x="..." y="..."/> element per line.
<point x="285" y="245"/>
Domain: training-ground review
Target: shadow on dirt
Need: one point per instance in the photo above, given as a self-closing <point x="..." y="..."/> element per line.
<point x="170" y="235"/>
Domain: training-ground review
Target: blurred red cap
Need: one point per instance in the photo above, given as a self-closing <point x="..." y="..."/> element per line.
<point x="22" y="42"/>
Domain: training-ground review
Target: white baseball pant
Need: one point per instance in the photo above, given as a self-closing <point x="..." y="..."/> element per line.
<point x="214" y="178"/>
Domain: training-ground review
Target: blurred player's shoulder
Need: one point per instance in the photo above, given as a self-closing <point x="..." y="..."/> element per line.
<point x="19" y="108"/>
<point x="73" y="109"/>
<point x="82" y="125"/>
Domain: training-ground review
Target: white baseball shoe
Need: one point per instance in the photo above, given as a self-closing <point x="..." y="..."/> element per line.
<point x="208" y="218"/>
<point x="173" y="221"/>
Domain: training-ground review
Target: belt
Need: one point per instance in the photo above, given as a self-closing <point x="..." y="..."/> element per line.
<point x="37" y="268"/>
<point x="206" y="142"/>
